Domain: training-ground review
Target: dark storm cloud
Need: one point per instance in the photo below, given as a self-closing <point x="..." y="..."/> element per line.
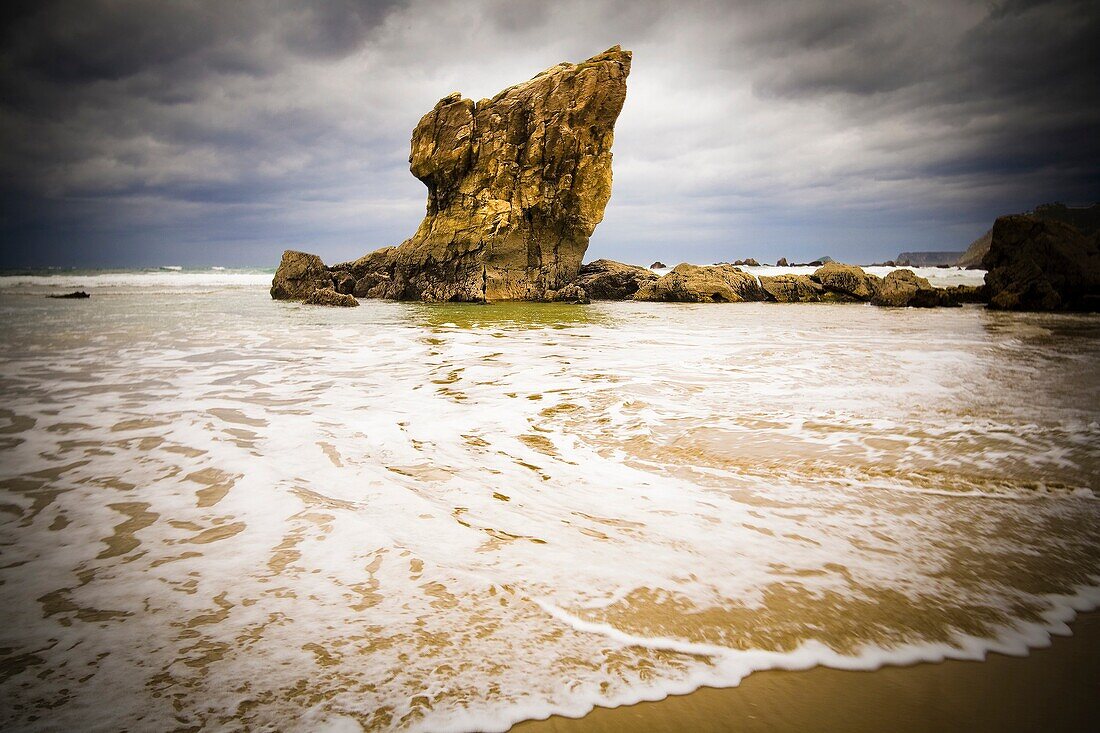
<point x="1030" y="64"/>
<point x="208" y="132"/>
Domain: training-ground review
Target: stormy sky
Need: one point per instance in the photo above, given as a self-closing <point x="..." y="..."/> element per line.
<point x="220" y="133"/>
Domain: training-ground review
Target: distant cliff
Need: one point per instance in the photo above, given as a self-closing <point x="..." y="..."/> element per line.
<point x="972" y="257"/>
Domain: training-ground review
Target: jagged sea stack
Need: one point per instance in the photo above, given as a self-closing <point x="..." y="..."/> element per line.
<point x="516" y="186"/>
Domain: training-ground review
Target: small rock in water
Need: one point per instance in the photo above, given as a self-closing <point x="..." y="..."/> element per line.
<point x="328" y="296"/>
<point x="782" y="262"/>
<point x="75" y="295"/>
<point x="902" y="288"/>
<point x="658" y="265"/>
<point x="299" y="275"/>
<point x="846" y="282"/>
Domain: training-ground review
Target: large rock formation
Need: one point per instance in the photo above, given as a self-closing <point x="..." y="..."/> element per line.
<point x="702" y="284"/>
<point x="1085" y="219"/>
<point x="1037" y="264"/>
<point x="516" y="186"/>
<point x="610" y="280"/>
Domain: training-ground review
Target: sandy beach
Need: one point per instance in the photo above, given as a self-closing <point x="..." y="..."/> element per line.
<point x="1052" y="689"/>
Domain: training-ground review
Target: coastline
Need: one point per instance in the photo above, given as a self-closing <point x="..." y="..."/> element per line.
<point x="1055" y="688"/>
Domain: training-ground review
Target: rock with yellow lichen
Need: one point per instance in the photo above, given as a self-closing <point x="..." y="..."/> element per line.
<point x="516" y="186"/>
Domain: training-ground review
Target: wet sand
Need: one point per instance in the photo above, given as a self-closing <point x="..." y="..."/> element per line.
<point x="1052" y="689"/>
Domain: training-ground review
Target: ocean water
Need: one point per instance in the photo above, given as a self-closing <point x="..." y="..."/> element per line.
<point x="217" y="510"/>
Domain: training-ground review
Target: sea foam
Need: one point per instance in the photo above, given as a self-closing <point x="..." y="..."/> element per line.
<point x="233" y="512"/>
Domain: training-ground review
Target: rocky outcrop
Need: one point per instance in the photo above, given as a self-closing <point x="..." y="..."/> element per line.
<point x="516" y="186"/>
<point x="781" y="262"/>
<point x="903" y="288"/>
<point x="328" y="296"/>
<point x="725" y="283"/>
<point x="658" y="265"/>
<point x="791" y="288"/>
<point x="299" y="274"/>
<point x="833" y="282"/>
<point x="846" y="282"/>
<point x="750" y="262"/>
<point x="703" y="284"/>
<point x="1045" y="265"/>
<point x="1085" y="219"/>
<point x="75" y="295"/>
<point x="610" y="280"/>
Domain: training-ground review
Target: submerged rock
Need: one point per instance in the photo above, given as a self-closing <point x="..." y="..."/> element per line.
<point x="846" y="282"/>
<point x="610" y="280"/>
<point x="75" y="295"/>
<point x="328" y="296"/>
<point x="703" y="284"/>
<point x="791" y="288"/>
<point x="1043" y="265"/>
<point x="958" y="294"/>
<point x="299" y="274"/>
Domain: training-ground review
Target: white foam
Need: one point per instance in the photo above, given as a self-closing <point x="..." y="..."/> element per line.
<point x="481" y="505"/>
<point x="168" y="279"/>
<point x="939" y="277"/>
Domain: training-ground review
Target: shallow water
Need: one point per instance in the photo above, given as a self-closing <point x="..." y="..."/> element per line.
<point x="219" y="510"/>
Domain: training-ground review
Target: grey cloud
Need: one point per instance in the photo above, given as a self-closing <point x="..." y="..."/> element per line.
<point x="140" y="131"/>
